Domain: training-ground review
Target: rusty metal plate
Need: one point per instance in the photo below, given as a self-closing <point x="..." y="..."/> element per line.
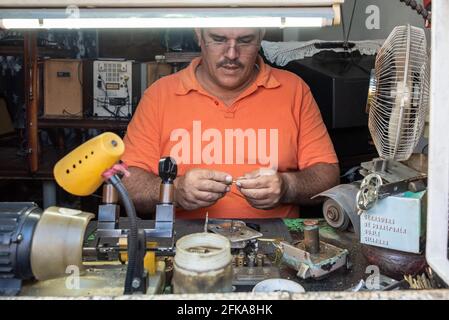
<point x="235" y="230"/>
<point x="329" y="259"/>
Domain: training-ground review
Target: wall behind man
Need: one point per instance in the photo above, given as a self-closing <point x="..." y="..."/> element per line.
<point x="373" y="19"/>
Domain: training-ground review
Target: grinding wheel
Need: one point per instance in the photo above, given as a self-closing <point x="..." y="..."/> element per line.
<point x="335" y="215"/>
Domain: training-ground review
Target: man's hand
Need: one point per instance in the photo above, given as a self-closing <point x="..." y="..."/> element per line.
<point x="263" y="188"/>
<point x="200" y="188"/>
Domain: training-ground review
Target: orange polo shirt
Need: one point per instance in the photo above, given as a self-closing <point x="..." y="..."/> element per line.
<point x="274" y="123"/>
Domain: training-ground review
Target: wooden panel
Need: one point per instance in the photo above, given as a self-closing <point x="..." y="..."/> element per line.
<point x="156" y="70"/>
<point x="62" y="87"/>
<point x="31" y="93"/>
<point x="5" y="119"/>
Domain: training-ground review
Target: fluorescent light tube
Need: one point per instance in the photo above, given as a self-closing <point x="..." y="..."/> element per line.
<point x="122" y="23"/>
<point x="168" y="18"/>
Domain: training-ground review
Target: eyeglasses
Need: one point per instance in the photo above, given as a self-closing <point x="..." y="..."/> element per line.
<point x="241" y="45"/>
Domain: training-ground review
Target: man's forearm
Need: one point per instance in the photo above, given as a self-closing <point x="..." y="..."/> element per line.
<point x="302" y="185"/>
<point x="143" y="188"/>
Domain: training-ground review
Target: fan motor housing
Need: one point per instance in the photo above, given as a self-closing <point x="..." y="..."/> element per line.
<point x="18" y="221"/>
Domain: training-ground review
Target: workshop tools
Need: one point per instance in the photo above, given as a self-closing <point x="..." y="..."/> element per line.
<point x="425" y="281"/>
<point x="389" y="208"/>
<point x="236" y="231"/>
<point x="84" y="169"/>
<point x="28" y="249"/>
<point x="249" y="265"/>
<point x="311" y="257"/>
<point x="163" y="228"/>
<point x="31" y="235"/>
<point x="30" y="238"/>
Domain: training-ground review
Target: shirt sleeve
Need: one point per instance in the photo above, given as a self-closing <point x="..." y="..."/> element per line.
<point x="142" y="140"/>
<point x="314" y="143"/>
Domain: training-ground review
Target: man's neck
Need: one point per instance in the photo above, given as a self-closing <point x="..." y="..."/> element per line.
<point x="226" y="95"/>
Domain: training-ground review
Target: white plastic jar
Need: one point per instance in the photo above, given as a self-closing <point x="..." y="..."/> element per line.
<point x="202" y="264"/>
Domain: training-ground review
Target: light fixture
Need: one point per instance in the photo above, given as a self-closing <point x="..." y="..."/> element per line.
<point x="122" y="23"/>
<point x="282" y="14"/>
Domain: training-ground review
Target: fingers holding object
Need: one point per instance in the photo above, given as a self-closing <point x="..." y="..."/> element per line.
<point x="213" y="186"/>
<point x="256" y="194"/>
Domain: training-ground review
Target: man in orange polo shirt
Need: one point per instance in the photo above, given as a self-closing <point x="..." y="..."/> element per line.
<point x="249" y="139"/>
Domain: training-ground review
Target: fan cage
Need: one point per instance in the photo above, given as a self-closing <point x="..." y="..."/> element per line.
<point x="399" y="93"/>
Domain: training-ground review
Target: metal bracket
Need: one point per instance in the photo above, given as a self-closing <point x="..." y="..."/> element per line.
<point x="238" y="233"/>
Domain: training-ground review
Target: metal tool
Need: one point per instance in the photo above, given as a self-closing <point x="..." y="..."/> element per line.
<point x="165" y="210"/>
<point x="311" y="236"/>
<point x="373" y="189"/>
<point x="425" y="281"/>
<point x="106" y="240"/>
<point x="251" y="268"/>
<point x="206" y="222"/>
<point x="250" y="276"/>
<point x="312" y="258"/>
<point x="340" y="207"/>
<point x="235" y="230"/>
<point x="384" y="284"/>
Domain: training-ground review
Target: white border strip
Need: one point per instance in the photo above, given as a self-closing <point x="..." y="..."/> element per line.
<point x="438" y="201"/>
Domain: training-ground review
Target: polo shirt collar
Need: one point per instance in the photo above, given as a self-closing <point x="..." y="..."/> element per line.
<point x="189" y="82"/>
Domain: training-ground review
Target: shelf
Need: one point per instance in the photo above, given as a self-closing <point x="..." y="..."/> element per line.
<point x="14" y="165"/>
<point x="42" y="51"/>
<point x="83" y="123"/>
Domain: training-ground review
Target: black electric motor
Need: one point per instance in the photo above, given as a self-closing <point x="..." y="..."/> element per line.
<point x="18" y="221"/>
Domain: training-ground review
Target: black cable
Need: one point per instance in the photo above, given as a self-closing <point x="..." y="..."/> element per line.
<point x="343" y="27"/>
<point x="419" y="9"/>
<point x="346" y="45"/>
<point x="128" y="98"/>
<point x="133" y="231"/>
<point x="106" y="102"/>
<point x="350" y="22"/>
<point x="104" y="105"/>
<point x="346" y="35"/>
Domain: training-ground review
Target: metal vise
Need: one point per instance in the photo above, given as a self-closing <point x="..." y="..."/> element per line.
<point x="108" y="214"/>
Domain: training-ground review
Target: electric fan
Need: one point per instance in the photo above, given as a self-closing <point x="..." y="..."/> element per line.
<point x="398" y="101"/>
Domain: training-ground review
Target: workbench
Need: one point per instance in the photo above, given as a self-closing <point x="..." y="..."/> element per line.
<point x="338" y="281"/>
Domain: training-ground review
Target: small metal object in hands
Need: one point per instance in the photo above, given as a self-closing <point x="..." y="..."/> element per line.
<point x="206" y="222"/>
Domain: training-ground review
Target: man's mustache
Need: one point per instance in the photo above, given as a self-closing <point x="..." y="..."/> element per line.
<point x="229" y="62"/>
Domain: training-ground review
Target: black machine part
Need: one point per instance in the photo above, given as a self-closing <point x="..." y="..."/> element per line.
<point x="18" y="221"/>
<point x="168" y="169"/>
<point x="167" y="172"/>
<point x="132" y="274"/>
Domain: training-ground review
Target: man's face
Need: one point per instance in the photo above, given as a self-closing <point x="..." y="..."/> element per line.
<point x="229" y="54"/>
